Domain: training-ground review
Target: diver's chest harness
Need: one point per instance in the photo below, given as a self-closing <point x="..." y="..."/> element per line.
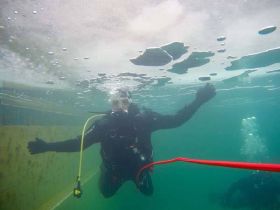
<point x="122" y="139"/>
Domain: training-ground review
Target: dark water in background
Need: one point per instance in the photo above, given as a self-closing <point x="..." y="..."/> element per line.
<point x="215" y="132"/>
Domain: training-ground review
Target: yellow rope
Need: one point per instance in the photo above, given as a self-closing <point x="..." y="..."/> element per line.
<point x="82" y="144"/>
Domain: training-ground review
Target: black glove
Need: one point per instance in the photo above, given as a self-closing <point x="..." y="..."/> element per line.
<point x="205" y="93"/>
<point x="37" y="146"/>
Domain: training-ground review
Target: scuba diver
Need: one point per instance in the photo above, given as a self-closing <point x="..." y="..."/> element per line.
<point x="258" y="191"/>
<point x="125" y="137"/>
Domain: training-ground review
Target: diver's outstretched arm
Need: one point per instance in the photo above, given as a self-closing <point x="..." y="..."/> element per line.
<point x="71" y="145"/>
<point x="203" y="95"/>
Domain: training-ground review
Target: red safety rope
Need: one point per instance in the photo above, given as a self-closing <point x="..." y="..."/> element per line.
<point x="230" y="164"/>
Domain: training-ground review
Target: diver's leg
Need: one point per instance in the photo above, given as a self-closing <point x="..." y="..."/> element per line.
<point x="109" y="182"/>
<point x="145" y="184"/>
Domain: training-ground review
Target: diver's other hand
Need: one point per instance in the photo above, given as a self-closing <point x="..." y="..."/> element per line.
<point x="205" y="93"/>
<point x="37" y="146"/>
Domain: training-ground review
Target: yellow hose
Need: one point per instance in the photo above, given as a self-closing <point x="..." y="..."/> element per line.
<point x="82" y="144"/>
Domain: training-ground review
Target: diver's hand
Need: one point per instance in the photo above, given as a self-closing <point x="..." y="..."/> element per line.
<point x="37" y="146"/>
<point x="205" y="93"/>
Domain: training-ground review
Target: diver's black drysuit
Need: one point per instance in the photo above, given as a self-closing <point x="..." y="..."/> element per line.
<point x="125" y="139"/>
<point x="126" y="144"/>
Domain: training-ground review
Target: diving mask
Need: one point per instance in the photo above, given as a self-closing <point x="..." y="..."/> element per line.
<point x="120" y="101"/>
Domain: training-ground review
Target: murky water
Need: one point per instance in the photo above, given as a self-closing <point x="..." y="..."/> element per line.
<point x="61" y="60"/>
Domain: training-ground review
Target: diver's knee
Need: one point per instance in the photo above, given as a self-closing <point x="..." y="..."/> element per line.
<point x="147" y="189"/>
<point x="107" y="194"/>
<point x="145" y="184"/>
<point x="107" y="190"/>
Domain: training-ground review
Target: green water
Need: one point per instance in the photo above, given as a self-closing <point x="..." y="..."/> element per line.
<point x="214" y="132"/>
<point x="60" y="61"/>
